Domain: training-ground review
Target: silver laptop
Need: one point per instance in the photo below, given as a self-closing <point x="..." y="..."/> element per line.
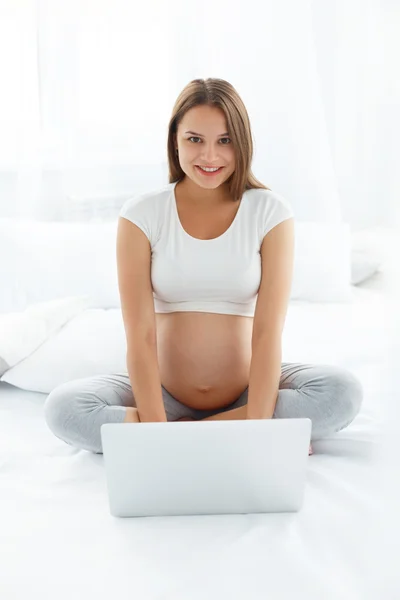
<point x="206" y="467"/>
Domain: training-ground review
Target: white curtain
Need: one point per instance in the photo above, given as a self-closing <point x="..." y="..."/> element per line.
<point x="88" y="87"/>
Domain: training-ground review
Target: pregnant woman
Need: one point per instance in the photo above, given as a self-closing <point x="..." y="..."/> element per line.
<point x="205" y="271"/>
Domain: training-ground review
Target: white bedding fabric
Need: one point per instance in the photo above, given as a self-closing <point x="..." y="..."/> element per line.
<point x="58" y="539"/>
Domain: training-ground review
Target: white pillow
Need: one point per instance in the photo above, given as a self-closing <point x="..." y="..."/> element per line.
<point x="322" y="262"/>
<point x="363" y="266"/>
<point x="92" y="343"/>
<point x="21" y="333"/>
<point x="367" y="255"/>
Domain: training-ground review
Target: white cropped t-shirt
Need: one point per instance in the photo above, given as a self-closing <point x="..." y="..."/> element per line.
<point x="221" y="275"/>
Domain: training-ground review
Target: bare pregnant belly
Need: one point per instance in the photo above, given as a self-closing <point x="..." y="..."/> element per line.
<point x="204" y="358"/>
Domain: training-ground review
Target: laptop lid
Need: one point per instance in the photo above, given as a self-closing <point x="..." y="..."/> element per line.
<point x="206" y="467"/>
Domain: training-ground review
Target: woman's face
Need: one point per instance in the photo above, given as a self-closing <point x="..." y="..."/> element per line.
<point x="199" y="142"/>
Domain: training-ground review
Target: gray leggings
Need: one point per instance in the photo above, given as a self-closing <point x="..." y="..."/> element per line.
<point x="330" y="396"/>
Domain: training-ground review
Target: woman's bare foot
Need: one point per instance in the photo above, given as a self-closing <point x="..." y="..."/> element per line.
<point x="132" y="415"/>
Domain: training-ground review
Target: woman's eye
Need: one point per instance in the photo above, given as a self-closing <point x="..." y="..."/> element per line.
<point x="197" y="138"/>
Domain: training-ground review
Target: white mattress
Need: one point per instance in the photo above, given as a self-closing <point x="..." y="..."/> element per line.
<point x="58" y="539"/>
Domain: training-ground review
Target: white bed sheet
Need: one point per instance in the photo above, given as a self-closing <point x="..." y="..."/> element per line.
<point x="58" y="539"/>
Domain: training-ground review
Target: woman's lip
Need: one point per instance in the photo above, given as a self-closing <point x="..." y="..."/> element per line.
<point x="206" y="167"/>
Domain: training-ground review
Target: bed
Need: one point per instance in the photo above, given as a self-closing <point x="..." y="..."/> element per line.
<point x="58" y="539"/>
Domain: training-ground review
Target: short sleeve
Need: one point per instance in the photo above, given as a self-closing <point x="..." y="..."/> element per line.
<point x="138" y="211"/>
<point x="276" y="210"/>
